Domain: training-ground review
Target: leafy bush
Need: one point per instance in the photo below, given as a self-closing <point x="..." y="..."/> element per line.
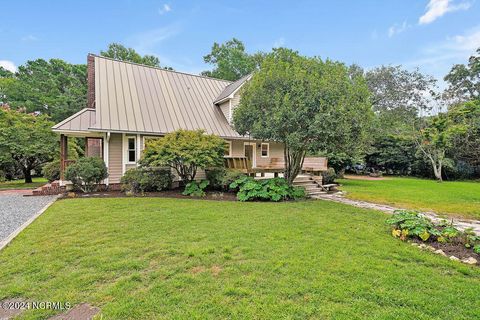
<point x="220" y="178"/>
<point x="3" y="176"/>
<point x="195" y="188"/>
<point x="275" y="189"/>
<point x="51" y="171"/>
<point x="328" y="176"/>
<point x="410" y="224"/>
<point x="86" y="173"/>
<point x="185" y="151"/>
<point x="140" y="180"/>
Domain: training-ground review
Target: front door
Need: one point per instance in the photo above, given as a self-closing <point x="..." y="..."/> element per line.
<point x="250" y="155"/>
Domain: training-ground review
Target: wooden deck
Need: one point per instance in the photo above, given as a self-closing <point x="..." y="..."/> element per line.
<point x="312" y="165"/>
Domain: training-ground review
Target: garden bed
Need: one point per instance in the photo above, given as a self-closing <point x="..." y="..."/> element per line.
<point x="174" y="193"/>
<point x="454" y="248"/>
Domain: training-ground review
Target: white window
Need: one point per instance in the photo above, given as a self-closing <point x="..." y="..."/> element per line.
<point x="265" y="151"/>
<point x="131" y="149"/>
<point x="228" y="149"/>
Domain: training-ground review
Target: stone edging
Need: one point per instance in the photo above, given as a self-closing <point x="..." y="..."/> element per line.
<point x="15" y="233"/>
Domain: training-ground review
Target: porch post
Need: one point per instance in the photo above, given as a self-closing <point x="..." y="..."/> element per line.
<point x="63" y="154"/>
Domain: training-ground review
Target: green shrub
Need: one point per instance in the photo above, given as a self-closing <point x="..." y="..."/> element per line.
<point x="3" y="176"/>
<point x="275" y="189"/>
<point x="220" y="178"/>
<point x="409" y="224"/>
<point x="412" y="224"/>
<point x="196" y="189"/>
<point x="140" y="180"/>
<point x="86" y="173"/>
<point x="51" y="170"/>
<point x="329" y="176"/>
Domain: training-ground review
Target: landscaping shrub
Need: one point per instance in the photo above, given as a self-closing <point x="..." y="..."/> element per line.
<point x="86" y="173"/>
<point x="220" y="178"/>
<point x="195" y="188"/>
<point x="140" y="180"/>
<point x="51" y="171"/>
<point x="329" y="176"/>
<point x="3" y="177"/>
<point x="412" y="225"/>
<point x="275" y="189"/>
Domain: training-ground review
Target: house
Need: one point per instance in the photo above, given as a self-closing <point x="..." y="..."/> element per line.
<point x="130" y="103"/>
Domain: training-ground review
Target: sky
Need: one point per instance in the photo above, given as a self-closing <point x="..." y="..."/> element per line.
<point x="429" y="34"/>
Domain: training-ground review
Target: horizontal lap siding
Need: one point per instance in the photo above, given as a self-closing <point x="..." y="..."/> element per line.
<point x="275" y="151"/>
<point x="115" y="158"/>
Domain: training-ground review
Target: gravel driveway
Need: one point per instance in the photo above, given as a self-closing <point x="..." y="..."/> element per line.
<point x="15" y="209"/>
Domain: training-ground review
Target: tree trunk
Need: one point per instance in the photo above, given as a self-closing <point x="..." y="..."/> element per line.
<point x="28" y="175"/>
<point x="293" y="163"/>
<point x="437" y="170"/>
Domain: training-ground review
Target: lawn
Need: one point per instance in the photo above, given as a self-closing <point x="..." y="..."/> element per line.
<point x="153" y="258"/>
<point x="452" y="198"/>
<point x="20" y="184"/>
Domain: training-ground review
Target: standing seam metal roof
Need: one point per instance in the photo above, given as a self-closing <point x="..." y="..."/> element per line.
<point x="135" y="98"/>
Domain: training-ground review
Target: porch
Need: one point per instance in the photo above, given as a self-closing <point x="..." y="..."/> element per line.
<point x="276" y="166"/>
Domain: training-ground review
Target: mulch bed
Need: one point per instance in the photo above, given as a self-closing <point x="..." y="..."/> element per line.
<point x="175" y="193"/>
<point x="454" y="248"/>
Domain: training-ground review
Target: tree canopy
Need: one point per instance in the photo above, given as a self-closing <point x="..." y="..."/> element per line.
<point x="26" y="140"/>
<point x="398" y="97"/>
<point x="464" y="80"/>
<point x="231" y="61"/>
<point x="53" y="87"/>
<point x="306" y="103"/>
<point x="120" y="52"/>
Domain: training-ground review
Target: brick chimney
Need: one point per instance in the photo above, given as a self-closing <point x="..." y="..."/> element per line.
<point x="91" y="81"/>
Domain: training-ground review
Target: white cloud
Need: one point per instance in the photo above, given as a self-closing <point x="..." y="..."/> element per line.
<point x="164" y="9"/>
<point x="397" y="28"/>
<point x="438" y="58"/>
<point x="147" y="41"/>
<point x="438" y="8"/>
<point x="8" y="65"/>
<point x="29" y="38"/>
<point x="280" y="42"/>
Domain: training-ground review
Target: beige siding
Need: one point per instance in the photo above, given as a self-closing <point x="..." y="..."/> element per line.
<point x="115" y="158"/>
<point x="235" y="101"/>
<point x="275" y="151"/>
<point x="225" y="107"/>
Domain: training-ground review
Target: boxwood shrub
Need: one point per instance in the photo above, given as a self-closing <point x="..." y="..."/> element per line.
<point x="140" y="180"/>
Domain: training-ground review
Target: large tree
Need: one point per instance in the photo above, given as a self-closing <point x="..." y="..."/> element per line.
<point x="466" y="145"/>
<point x="120" y="52"/>
<point x="306" y="103"/>
<point x="54" y="87"/>
<point x="231" y="61"/>
<point x="464" y="80"/>
<point x="399" y="97"/>
<point x="26" y="140"/>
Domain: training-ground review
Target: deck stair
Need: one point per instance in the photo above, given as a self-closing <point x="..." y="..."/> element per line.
<point x="310" y="183"/>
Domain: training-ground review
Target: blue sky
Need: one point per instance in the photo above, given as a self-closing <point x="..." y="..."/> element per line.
<point x="431" y="34"/>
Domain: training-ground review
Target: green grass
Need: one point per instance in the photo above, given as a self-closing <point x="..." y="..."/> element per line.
<point x="20" y="184"/>
<point x="450" y="198"/>
<point x="154" y="258"/>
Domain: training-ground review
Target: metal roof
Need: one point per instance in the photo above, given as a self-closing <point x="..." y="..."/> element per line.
<point x="80" y="121"/>
<point x="135" y="98"/>
<point x="231" y="88"/>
